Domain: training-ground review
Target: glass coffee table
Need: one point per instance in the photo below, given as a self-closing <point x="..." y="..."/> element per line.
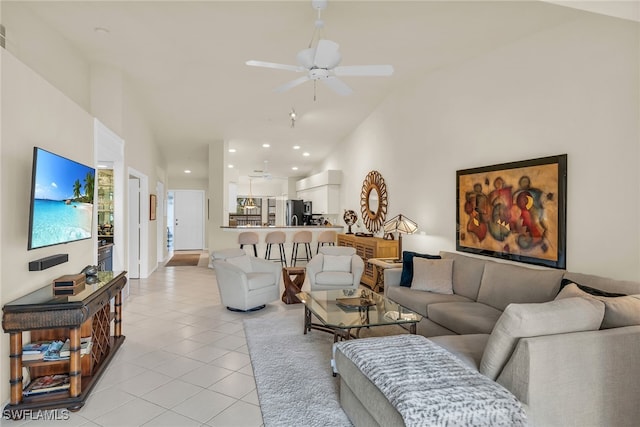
<point x="345" y="312"/>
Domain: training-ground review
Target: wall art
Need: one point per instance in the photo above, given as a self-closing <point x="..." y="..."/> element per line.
<point x="514" y="211"/>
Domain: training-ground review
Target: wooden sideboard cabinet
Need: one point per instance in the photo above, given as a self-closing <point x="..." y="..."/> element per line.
<point x="369" y="247"/>
<point x="88" y="313"/>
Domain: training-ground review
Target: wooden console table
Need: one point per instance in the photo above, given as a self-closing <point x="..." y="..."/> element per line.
<point x="65" y="316"/>
<point x="369" y="247"/>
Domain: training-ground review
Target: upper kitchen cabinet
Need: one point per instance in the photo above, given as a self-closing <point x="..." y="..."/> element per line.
<point x="323" y="190"/>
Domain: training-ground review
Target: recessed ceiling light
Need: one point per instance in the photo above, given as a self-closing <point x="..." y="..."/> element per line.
<point x="232" y="150"/>
<point x="306" y="154"/>
<point x="230" y="166"/>
<point x="187" y="171"/>
<point x="266" y="145"/>
<point x="296" y="147"/>
<point x="295" y="168"/>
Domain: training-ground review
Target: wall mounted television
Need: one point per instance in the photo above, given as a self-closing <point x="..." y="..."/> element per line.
<point x="62" y="196"/>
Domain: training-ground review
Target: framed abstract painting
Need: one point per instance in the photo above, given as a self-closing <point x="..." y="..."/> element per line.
<point x="515" y="211"/>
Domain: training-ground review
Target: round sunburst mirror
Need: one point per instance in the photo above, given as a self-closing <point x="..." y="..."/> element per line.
<point x="373" y="201"/>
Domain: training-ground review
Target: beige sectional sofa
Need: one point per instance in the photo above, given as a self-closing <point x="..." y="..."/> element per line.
<point x="508" y="322"/>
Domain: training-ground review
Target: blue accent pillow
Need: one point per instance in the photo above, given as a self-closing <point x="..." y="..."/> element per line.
<point x="407" y="266"/>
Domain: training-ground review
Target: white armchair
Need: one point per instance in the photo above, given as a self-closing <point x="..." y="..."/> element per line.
<point x="246" y="283"/>
<point x="335" y="267"/>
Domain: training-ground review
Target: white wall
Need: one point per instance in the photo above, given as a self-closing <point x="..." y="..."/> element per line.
<point x="571" y="89"/>
<point x="33" y="41"/>
<point x="34" y="113"/>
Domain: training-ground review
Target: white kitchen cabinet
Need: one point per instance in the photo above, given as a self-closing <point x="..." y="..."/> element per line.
<point x="323" y="190"/>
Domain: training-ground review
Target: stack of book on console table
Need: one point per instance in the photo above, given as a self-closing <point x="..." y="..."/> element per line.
<point x="59" y="350"/>
<point x="47" y="384"/>
<point x="34" y="350"/>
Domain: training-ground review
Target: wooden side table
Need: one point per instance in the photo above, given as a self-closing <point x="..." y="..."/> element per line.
<point x="293" y="280"/>
<point x="379" y="265"/>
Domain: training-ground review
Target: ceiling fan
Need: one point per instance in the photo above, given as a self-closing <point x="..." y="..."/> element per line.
<point x="320" y="62"/>
<point x="262" y="173"/>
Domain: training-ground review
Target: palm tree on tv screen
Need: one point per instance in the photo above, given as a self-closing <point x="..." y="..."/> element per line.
<point x="76" y="189"/>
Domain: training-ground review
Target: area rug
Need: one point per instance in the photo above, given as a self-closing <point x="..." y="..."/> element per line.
<point x="293" y="372"/>
<point x="183" y="260"/>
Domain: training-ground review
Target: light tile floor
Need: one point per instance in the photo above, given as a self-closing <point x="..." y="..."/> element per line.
<point x="184" y="361"/>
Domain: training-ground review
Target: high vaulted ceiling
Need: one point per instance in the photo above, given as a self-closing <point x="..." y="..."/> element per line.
<point x="186" y="62"/>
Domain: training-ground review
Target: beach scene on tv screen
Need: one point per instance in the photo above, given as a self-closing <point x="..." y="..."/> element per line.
<point x="63" y="201"/>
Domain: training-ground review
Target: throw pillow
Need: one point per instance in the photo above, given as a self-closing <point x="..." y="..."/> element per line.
<point x="537" y="319"/>
<point x="337" y="263"/>
<point x="619" y="311"/>
<point x="407" y="266"/>
<point x="589" y="290"/>
<point x="433" y="275"/>
<point x="242" y="262"/>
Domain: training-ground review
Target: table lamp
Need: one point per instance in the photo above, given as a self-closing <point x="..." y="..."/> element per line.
<point x="402" y="225"/>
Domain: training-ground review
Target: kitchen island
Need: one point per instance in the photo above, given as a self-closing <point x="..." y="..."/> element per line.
<point x="288" y="230"/>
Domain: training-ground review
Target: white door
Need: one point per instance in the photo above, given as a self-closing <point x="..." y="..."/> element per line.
<point x="188" y="230"/>
<point x="134" y="228"/>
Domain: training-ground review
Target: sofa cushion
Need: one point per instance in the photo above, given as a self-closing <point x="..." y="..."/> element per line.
<point x="467" y="272"/>
<point x="419" y="301"/>
<point x="338" y="279"/>
<point x="242" y="262"/>
<point x="407" y="266"/>
<point x="503" y="284"/>
<point x="530" y="320"/>
<point x="433" y="275"/>
<point x="336" y="263"/>
<point x="468" y="348"/>
<point x="464" y="317"/>
<point x="625" y="287"/>
<point x="259" y="280"/>
<point x="618" y="311"/>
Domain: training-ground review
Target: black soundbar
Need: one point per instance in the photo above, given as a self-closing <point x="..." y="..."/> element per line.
<point x="50" y="261"/>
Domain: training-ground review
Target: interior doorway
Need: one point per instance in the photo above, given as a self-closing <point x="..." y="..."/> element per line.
<point x="138" y="229"/>
<point x="134" y="228"/>
<point x="187" y="219"/>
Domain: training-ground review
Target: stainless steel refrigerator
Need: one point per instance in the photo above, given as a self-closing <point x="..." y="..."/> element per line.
<point x="294" y="212"/>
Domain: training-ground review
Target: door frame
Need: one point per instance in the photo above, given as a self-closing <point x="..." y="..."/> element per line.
<point x="144" y="220"/>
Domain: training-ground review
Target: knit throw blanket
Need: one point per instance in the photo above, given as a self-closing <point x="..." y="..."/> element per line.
<point x="429" y="386"/>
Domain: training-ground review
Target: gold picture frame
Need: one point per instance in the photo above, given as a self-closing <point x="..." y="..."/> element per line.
<point x="153" y="205"/>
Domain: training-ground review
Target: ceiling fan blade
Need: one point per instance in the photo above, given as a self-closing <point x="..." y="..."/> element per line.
<point x="364" y="70"/>
<point x="276" y="66"/>
<point x="337" y="85"/>
<point x="327" y="55"/>
<point x="292" y="84"/>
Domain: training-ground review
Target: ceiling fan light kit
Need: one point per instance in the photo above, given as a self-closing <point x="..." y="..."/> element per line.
<point x="320" y="62"/>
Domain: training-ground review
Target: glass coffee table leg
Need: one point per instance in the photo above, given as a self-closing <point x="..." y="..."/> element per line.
<point x="307" y="320"/>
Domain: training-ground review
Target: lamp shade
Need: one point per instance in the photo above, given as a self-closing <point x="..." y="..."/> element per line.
<point x="400" y="224"/>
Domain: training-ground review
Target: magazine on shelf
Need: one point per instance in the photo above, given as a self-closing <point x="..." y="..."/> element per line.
<point x="61" y="351"/>
<point x="47" y="384"/>
<point x="35" y="347"/>
<point x="85" y="347"/>
<point x="53" y="352"/>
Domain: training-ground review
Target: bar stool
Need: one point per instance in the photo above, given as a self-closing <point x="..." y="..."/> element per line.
<point x="327" y="237"/>
<point x="301" y="237"/>
<point x="249" y="238"/>
<point x="276" y="238"/>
